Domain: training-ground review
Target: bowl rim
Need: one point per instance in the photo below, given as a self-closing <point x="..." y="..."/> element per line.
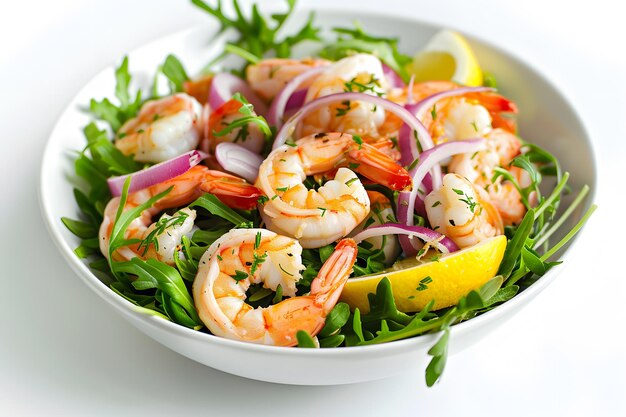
<point x="123" y="306"/>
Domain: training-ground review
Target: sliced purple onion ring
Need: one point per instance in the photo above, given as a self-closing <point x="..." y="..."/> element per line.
<point x="156" y="174"/>
<point x="280" y="103"/>
<point x="432" y="157"/>
<point x="437" y="240"/>
<point x="238" y="160"/>
<point x="409" y="91"/>
<point x="402" y="213"/>
<point x="225" y="85"/>
<point x="296" y="100"/>
<point x="420" y="108"/>
<point x="394" y="79"/>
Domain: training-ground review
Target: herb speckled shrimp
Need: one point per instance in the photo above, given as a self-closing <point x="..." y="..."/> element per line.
<point x="479" y="168"/>
<point x="232" y="191"/>
<point x="360" y="73"/>
<point x="463" y="117"/>
<point x="163" y="129"/>
<point x="319" y="217"/>
<point x="250" y="256"/>
<point x="462" y="211"/>
<point x="249" y="136"/>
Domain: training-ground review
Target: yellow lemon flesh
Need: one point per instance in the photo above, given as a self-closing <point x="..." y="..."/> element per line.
<point x="445" y="280"/>
<point x="449" y="57"/>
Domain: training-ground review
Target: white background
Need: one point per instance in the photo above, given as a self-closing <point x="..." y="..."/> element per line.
<point x="64" y="352"/>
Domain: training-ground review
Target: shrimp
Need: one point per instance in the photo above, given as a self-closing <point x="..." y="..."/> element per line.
<point x="381" y="212"/>
<point x="360" y="73"/>
<point x="462" y="212"/>
<point x="163" y="129"/>
<point x="479" y="169"/>
<point x="269" y="76"/>
<point x="463" y="117"/>
<point x="319" y="217"/>
<point x="249" y="136"/>
<point x="233" y="191"/>
<point x="250" y="256"/>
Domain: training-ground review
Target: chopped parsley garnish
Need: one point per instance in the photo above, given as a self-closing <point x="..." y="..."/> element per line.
<point x="323" y="210"/>
<point x="350" y="181"/>
<point x="471" y="204"/>
<point x="342" y="111"/>
<point x="424" y="283"/>
<point x="257" y="260"/>
<point x="239" y="275"/>
<point x="357" y="139"/>
<point x="159" y="228"/>
<point x="283" y="269"/>
<point x="263" y="199"/>
<point x="371" y="85"/>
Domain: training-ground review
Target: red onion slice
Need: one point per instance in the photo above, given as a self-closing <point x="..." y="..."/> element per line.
<point x="402" y="213"/>
<point x="296" y="100"/>
<point x="225" y="85"/>
<point x="238" y="160"/>
<point x="432" y="157"/>
<point x="156" y="174"/>
<point x="394" y="79"/>
<point x="409" y="91"/>
<point x="281" y="101"/>
<point x="422" y="107"/>
<point x="437" y="240"/>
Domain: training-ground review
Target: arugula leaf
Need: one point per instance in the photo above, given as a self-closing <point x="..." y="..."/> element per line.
<point x="123" y="219"/>
<point x="336" y="319"/>
<point x="305" y="340"/>
<point x="154" y="274"/>
<point x="214" y="206"/>
<point x="515" y="245"/>
<point x="383" y="305"/>
<point x="173" y="69"/>
<point x="243" y="122"/>
<point x="439" y="352"/>
<point x="358" y="41"/>
<point x="257" y="35"/>
<point x="81" y="229"/>
<point x="113" y="114"/>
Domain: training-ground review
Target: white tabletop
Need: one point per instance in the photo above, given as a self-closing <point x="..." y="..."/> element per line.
<point x="64" y="352"/>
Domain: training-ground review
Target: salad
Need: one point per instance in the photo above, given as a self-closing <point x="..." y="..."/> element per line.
<point x="351" y="197"/>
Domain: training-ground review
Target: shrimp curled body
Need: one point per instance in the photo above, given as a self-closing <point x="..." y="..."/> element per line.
<point x="462" y="211"/>
<point x="185" y="188"/>
<point x="163" y="129"/>
<point x="220" y="298"/>
<point x="319" y="217"/>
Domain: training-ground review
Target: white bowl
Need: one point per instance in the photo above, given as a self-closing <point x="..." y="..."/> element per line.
<point x="545" y="118"/>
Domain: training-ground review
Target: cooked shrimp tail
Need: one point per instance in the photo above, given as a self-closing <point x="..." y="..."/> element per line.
<point x="379" y="167"/>
<point x="220" y="298"/>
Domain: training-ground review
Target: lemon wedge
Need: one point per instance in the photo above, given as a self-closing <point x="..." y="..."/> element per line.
<point x="444" y="279"/>
<point x="449" y="57"/>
